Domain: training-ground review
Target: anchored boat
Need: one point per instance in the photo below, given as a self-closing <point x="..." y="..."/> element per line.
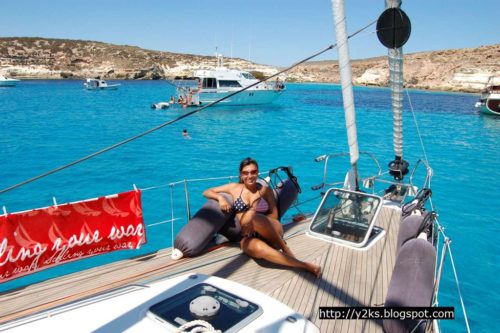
<point x="489" y="102"/>
<point x="98" y="84"/>
<point x="377" y="237"/>
<point x="8" y="82"/>
<point x="221" y="82"/>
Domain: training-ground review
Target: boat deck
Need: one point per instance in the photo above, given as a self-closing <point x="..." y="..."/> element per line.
<point x="350" y="277"/>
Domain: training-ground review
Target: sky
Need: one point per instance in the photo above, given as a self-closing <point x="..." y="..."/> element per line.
<point x="271" y="32"/>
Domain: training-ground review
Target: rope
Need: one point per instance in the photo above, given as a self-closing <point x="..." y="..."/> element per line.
<point x="205" y="327"/>
<point x="155" y="187"/>
<point x="154" y="129"/>
<point x="417" y="325"/>
<point x="163" y="222"/>
<point x="189" y="181"/>
<point x="458" y="289"/>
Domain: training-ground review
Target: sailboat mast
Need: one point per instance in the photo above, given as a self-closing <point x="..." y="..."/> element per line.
<point x="396" y="85"/>
<point x="346" y="83"/>
<point x="398" y="167"/>
<point x="393" y="29"/>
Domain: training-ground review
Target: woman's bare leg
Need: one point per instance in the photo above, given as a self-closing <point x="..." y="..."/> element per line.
<point x="257" y="248"/>
<point x="278" y="227"/>
<point x="264" y="227"/>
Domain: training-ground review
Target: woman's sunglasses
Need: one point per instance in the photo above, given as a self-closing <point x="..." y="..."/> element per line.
<point x="251" y="172"/>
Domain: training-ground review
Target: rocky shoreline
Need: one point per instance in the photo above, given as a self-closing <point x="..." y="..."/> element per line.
<point x="463" y="70"/>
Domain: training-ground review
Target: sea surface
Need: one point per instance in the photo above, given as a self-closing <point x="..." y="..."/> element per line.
<point x="46" y="124"/>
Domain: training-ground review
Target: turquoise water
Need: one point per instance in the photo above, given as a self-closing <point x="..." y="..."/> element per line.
<point x="46" y="124"/>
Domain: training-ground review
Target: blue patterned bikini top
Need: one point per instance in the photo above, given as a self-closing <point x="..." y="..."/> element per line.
<point x="241" y="206"/>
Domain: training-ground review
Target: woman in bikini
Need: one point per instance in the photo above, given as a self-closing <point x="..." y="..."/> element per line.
<point x="256" y="210"/>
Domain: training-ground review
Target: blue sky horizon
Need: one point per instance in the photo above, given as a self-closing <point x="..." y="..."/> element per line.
<point x="272" y="32"/>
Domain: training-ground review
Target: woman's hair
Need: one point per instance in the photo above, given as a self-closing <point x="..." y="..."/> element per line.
<point x="247" y="161"/>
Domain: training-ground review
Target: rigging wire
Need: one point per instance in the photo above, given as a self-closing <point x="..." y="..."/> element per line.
<point x="457" y="283"/>
<point x="176" y="86"/>
<point x="416" y="125"/>
<point x="458" y="288"/>
<point x="121" y="143"/>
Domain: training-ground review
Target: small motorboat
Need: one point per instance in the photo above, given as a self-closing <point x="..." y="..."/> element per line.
<point x="98" y="84"/>
<point x="8" y="82"/>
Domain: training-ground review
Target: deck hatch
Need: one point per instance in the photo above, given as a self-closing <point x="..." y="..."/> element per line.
<point x="228" y="313"/>
<point x="347" y="217"/>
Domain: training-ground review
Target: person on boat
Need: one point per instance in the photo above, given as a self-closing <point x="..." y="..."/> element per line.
<point x="189" y="100"/>
<point x="198" y="84"/>
<point x="255" y="207"/>
<point x="181" y="101"/>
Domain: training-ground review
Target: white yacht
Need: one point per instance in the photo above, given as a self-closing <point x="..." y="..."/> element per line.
<point x="8" y="82"/>
<point x="215" y="84"/>
<point x="98" y="84"/>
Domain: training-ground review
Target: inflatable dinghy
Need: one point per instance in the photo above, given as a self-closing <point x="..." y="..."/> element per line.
<point x="196" y="235"/>
<point x="160" y="106"/>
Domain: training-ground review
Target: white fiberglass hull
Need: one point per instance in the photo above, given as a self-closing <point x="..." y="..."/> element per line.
<point x="484" y="109"/>
<point x="129" y="310"/>
<point x="491" y="105"/>
<point x="249" y="97"/>
<point x="109" y="87"/>
<point x="8" y="82"/>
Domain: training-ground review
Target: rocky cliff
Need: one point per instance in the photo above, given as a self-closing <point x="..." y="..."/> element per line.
<point x="466" y="70"/>
<point x="450" y="70"/>
<point x="59" y="58"/>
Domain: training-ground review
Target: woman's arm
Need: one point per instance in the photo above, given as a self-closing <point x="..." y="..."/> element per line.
<point x="214" y="193"/>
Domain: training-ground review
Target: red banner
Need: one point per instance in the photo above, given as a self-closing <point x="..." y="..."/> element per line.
<point x="34" y="240"/>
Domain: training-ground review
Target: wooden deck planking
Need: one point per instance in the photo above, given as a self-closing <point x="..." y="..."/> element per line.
<point x="355" y="289"/>
<point x="337" y="294"/>
<point x="350" y="277"/>
<point x="360" y="291"/>
<point x="309" y="307"/>
<point x="347" y="297"/>
<point x="330" y="274"/>
<point x="370" y="270"/>
<point x="333" y="285"/>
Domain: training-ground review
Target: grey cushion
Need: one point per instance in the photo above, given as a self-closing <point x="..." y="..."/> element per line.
<point x="412" y="283"/>
<point x="408" y="229"/>
<point x="194" y="237"/>
<point x="197" y="233"/>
